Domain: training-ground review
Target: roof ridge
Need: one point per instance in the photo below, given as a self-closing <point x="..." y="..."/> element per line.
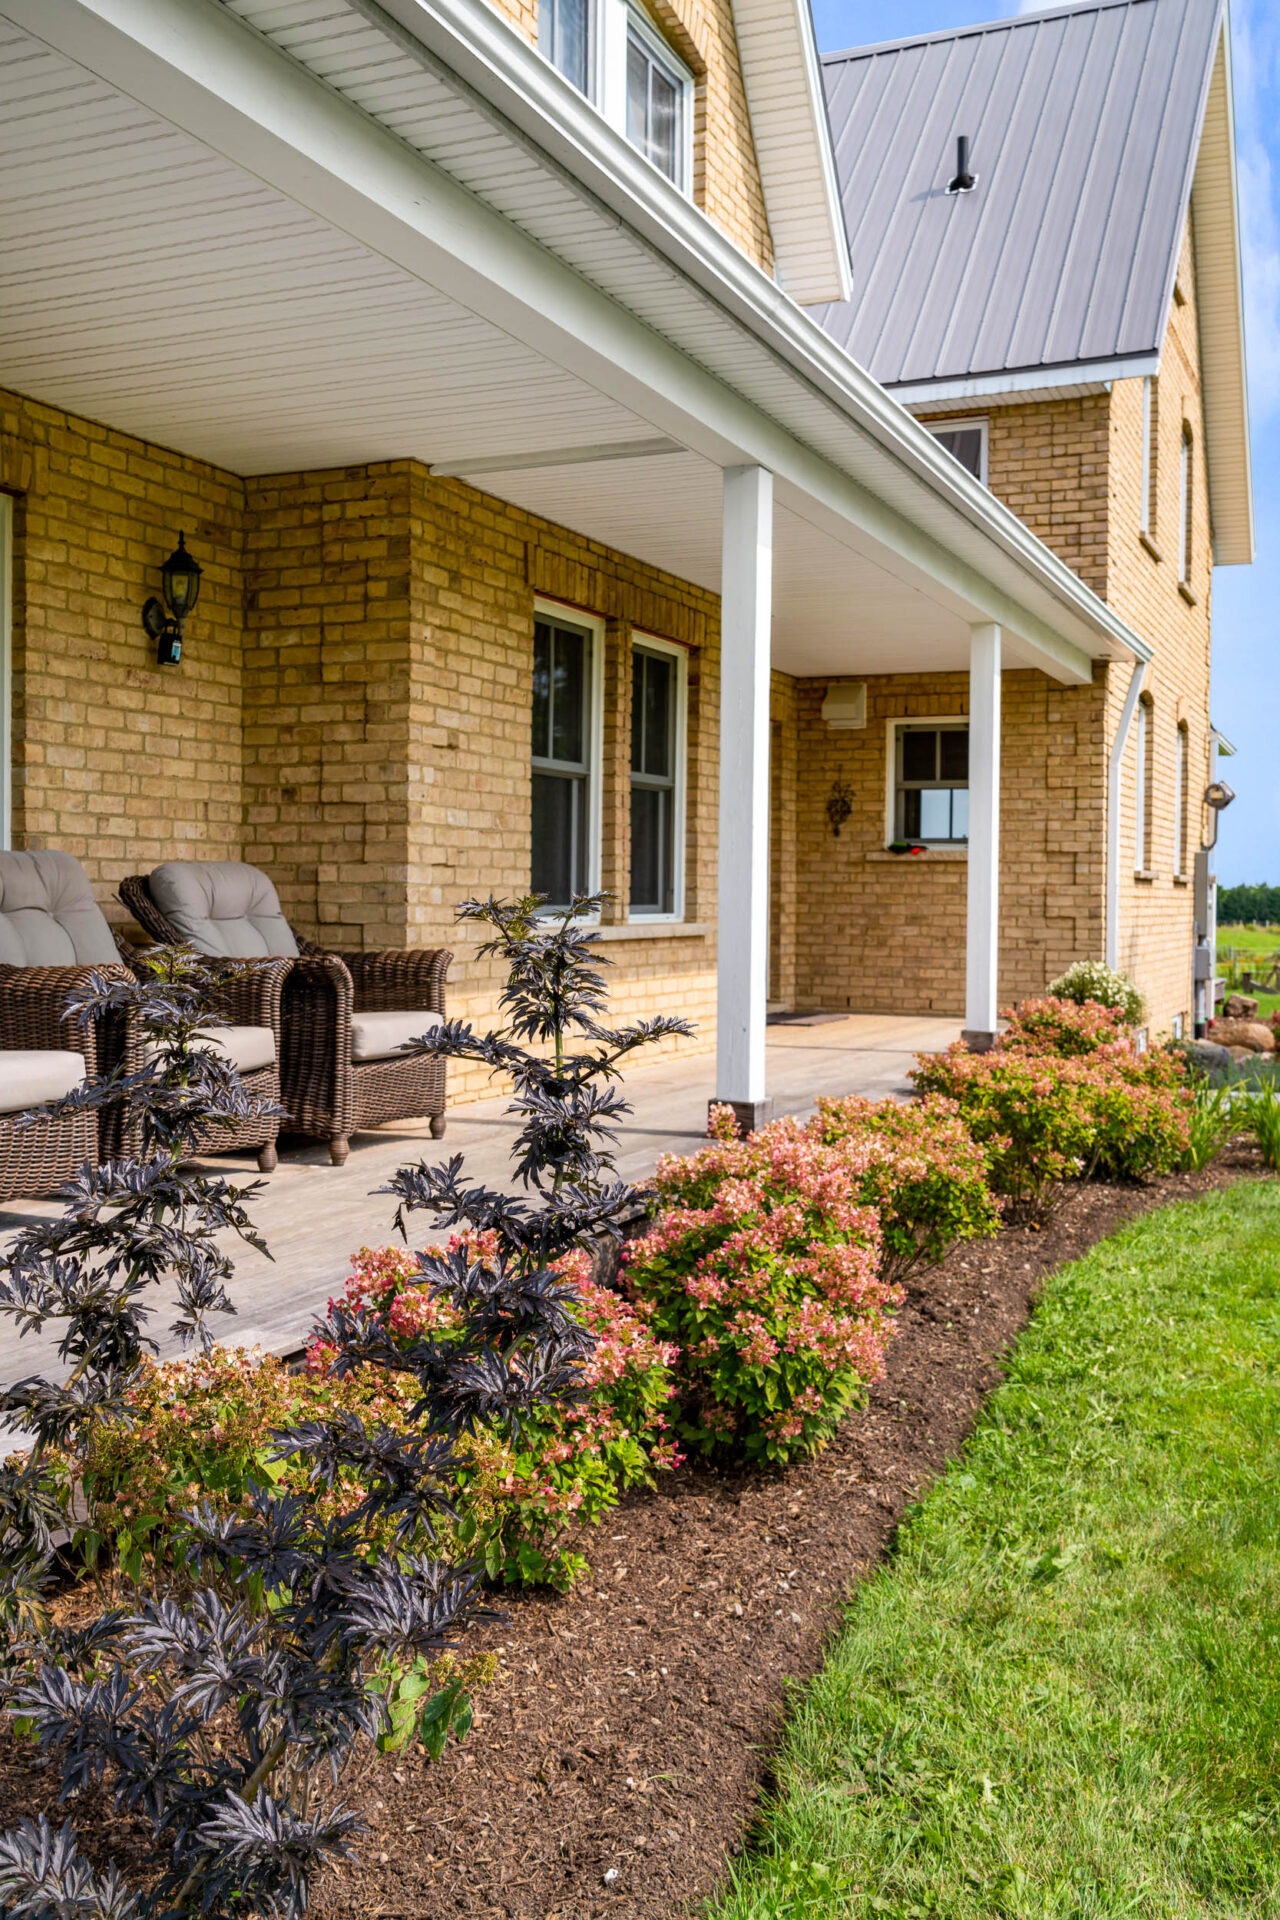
<point x="1061" y="10"/>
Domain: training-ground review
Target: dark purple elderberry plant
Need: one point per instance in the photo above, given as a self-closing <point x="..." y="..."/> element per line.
<point x="215" y="1717"/>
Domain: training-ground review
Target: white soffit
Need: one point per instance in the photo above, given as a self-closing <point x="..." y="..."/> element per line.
<point x="792" y="135"/>
<point x="1215" y="222"/>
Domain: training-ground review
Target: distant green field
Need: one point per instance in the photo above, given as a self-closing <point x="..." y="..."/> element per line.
<point x="1239" y="949"/>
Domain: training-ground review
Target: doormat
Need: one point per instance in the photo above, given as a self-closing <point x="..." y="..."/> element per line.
<point x="803" y="1019"/>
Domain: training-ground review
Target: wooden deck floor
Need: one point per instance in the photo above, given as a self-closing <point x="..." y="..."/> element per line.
<point x="315" y="1216"/>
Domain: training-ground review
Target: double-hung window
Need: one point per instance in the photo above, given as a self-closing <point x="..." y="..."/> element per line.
<point x="931" y="781"/>
<point x="564" y="36"/>
<point x="657" y="100"/>
<point x="657" y="779"/>
<point x="565" y="759"/>
<point x="1180" y="772"/>
<point x="1186" y="506"/>
<point x="1142" y="787"/>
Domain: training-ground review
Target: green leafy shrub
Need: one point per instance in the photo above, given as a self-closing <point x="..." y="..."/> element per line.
<point x="1260" y="1111"/>
<point x="764" y="1269"/>
<point x="1091" y="980"/>
<point x="924" y="1173"/>
<point x="1214" y="1117"/>
<point x="1073" y="1029"/>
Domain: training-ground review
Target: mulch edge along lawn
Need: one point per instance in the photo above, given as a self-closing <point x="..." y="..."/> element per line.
<point x="1061" y="1696"/>
<point x="618" y="1762"/>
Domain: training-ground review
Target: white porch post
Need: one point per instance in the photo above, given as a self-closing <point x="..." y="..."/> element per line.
<point x="742" y="945"/>
<point x="983" y="945"/>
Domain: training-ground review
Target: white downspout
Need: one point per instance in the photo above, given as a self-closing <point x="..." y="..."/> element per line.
<point x="1118" y="747"/>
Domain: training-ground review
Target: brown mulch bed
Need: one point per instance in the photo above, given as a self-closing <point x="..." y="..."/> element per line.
<point x="618" y="1759"/>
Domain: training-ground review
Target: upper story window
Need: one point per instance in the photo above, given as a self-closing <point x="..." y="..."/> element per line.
<point x="1186" y="505"/>
<point x="657" y="100"/>
<point x="931" y="781"/>
<point x="612" y="52"/>
<point x="965" y="441"/>
<point x="566" y="758"/>
<point x="1181" y="771"/>
<point x="564" y="35"/>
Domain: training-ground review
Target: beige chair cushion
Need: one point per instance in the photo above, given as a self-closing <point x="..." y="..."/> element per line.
<point x="380" y="1036"/>
<point x="48" y="915"/>
<point x="247" y="1048"/>
<point x="222" y="907"/>
<point x="28" y="1078"/>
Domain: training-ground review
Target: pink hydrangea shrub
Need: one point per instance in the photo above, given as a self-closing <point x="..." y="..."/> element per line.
<point x="764" y="1269"/>
<point x="521" y="1493"/>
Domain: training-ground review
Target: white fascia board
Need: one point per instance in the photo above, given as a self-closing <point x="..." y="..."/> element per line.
<point x="202" y="69"/>
<point x="1028" y="382"/>
<point x="1215" y="215"/>
<point x="791" y="131"/>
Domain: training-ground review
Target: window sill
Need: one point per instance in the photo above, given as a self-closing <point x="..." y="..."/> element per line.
<point x="1190" y="598"/>
<point x="1146" y="876"/>
<point x="1145" y="540"/>
<point x="930" y="856"/>
<point x="654" y="930"/>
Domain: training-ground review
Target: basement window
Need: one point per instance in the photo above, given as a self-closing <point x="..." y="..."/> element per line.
<point x="931" y="782"/>
<point x="965" y="441"/>
<point x="566" y="758"/>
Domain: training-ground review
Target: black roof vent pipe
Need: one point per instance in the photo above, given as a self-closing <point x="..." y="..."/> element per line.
<point x="965" y="181"/>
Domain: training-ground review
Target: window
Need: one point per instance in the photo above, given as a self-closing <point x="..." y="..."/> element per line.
<point x="564" y="35"/>
<point x="657" y="95"/>
<point x="1181" y="764"/>
<point x="1186" y="506"/>
<point x="1142" y="788"/>
<point x="931" y="781"/>
<point x="1150" y="418"/>
<point x="965" y="441"/>
<point x="658" y="682"/>
<point x="565" y="758"/>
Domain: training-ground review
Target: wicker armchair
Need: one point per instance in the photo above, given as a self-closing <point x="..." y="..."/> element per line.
<point x="346" y="1017"/>
<point x="248" y="999"/>
<point x="33" y="1027"/>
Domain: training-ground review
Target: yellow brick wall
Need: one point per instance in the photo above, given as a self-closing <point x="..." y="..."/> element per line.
<point x="726" y="175"/>
<point x="116" y="759"/>
<point x="885" y="933"/>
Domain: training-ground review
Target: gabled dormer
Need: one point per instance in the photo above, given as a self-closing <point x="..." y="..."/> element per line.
<point x="725" y="99"/>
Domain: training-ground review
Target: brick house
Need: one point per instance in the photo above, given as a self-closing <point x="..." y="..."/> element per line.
<point x="490" y="360"/>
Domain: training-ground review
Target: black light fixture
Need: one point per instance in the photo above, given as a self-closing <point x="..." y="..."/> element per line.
<point x="181" y="577"/>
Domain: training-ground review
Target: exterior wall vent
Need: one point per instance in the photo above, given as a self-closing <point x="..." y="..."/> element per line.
<point x="845" y="706"/>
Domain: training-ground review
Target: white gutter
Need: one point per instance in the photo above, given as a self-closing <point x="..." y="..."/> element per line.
<point x="471" y="40"/>
<point x="1114" y="772"/>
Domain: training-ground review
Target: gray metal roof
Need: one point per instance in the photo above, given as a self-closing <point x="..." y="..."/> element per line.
<point x="1084" y="122"/>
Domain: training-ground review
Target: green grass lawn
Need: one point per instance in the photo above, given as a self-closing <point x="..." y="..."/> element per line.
<point x="1062" y="1695"/>
<point x="1249" y="945"/>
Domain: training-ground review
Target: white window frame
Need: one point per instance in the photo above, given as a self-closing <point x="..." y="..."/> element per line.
<point x="1181" y="790"/>
<point x="608" y="25"/>
<point x="1186" y="502"/>
<point x="650" y="643"/>
<point x="1142" y="736"/>
<point x="952" y="720"/>
<point x="6" y="670"/>
<point x="593" y="625"/>
<point x="979" y="424"/>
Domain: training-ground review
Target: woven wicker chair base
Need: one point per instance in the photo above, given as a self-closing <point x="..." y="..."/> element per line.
<point x="35" y="1161"/>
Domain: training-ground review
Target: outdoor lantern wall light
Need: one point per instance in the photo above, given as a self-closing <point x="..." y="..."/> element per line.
<point x="181" y="585"/>
<point x="1217" y="798"/>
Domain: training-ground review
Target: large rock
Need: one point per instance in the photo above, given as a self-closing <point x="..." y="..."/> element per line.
<point x="1207" y="1056"/>
<point x="1239" y="1006"/>
<point x="1250" y="1034"/>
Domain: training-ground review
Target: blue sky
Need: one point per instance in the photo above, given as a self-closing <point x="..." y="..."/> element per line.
<point x="1246" y="701"/>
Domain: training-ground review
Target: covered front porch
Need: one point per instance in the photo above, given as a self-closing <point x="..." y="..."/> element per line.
<point x="439" y="358"/>
<point x="314" y="1217"/>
